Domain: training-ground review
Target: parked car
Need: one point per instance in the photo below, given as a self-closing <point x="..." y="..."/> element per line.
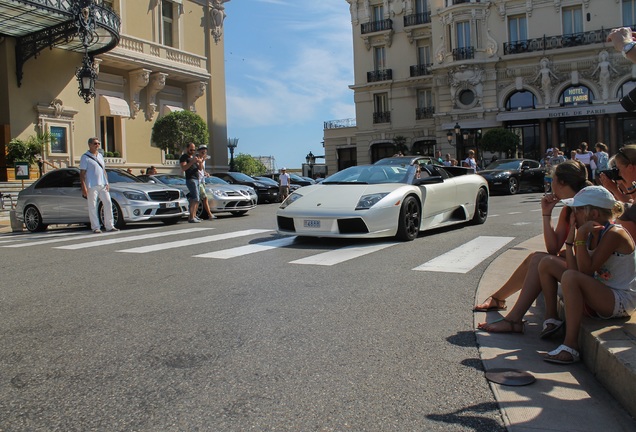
<point x="222" y="196"/>
<point x="292" y="187"/>
<point x="513" y="175"/>
<point x="387" y="199"/>
<point x="266" y="192"/>
<point x="56" y="198"/>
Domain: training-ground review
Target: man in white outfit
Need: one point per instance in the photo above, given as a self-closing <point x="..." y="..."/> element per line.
<point x="95" y="185"/>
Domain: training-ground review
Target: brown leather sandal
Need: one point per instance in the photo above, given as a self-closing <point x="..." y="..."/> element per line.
<point x="511" y="326"/>
<point x="491" y="304"/>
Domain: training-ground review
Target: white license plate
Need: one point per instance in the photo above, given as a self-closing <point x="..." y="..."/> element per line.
<point x="311" y="223"/>
<point x="169" y="205"/>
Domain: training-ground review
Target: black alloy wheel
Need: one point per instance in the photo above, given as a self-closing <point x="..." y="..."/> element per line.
<point x="481" y="207"/>
<point x="118" y="217"/>
<point x="409" y="221"/>
<point x="513" y="185"/>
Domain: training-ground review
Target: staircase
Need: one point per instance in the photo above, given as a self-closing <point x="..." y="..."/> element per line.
<point x="10" y="192"/>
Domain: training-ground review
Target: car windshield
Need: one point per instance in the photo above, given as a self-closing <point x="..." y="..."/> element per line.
<point x="215" y="180"/>
<point x="120" y="176"/>
<point x="171" y="179"/>
<point x="369" y="174"/>
<point x="296" y="177"/>
<point x="266" y="180"/>
<point x="504" y="165"/>
<point x="241" y="177"/>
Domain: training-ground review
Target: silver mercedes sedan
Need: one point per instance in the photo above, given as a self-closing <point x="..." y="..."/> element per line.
<point x="56" y="198"/>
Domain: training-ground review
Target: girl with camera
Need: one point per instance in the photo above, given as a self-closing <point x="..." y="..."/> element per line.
<point x="621" y="182"/>
<point x="600" y="272"/>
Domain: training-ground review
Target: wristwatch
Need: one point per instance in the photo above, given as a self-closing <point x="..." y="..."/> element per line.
<point x="627" y="48"/>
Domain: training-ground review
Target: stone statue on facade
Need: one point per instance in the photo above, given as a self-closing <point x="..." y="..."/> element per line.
<point x="546" y="75"/>
<point x="604" y="70"/>
<point x="217" y="16"/>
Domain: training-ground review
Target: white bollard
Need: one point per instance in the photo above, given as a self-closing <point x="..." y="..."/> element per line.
<point x="16" y="225"/>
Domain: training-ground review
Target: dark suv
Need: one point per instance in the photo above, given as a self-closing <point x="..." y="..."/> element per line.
<point x="266" y="192"/>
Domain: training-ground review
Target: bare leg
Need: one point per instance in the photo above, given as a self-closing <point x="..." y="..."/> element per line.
<point x="551" y="270"/>
<point x="578" y="290"/>
<point x="512" y="285"/>
<point x="529" y="292"/>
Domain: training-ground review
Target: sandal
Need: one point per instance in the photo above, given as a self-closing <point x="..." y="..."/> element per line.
<point x="491" y="304"/>
<point x="512" y="326"/>
<point x="551" y="356"/>
<point x="550" y="327"/>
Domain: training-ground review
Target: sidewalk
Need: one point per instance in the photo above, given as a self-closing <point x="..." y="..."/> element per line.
<point x="563" y="398"/>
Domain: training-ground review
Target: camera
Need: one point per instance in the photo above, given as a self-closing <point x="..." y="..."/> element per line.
<point x="612" y="174"/>
<point x="628" y="102"/>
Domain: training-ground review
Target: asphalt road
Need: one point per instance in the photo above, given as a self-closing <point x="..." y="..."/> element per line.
<point x="103" y="340"/>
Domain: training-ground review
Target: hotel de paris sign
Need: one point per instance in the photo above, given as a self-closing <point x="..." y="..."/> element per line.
<point x="550" y="113"/>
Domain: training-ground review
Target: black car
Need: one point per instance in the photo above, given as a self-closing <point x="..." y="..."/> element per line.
<point x="513" y="175"/>
<point x="266" y="192"/>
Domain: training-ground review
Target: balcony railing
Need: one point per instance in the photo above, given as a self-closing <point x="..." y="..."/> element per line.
<point x="376" y="26"/>
<point x="382" y="117"/>
<point x="416" y="19"/>
<point x="424" y="113"/>
<point x="456" y="2"/>
<point x="465" y="53"/>
<point x="336" y="124"/>
<point x="380" y="75"/>
<point x="420" y="70"/>
<point x="557" y="41"/>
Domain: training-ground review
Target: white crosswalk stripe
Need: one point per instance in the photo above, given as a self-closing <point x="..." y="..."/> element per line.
<point x="343" y="254"/>
<point x="249" y="249"/>
<point x="131" y="238"/>
<point x="193" y="241"/>
<point x="467" y="256"/>
<point x="76" y="237"/>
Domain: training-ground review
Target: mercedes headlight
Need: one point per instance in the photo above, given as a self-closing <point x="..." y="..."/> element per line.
<point x="290" y="199"/>
<point x="135" y="196"/>
<point x="368" y="201"/>
<point x="218" y="193"/>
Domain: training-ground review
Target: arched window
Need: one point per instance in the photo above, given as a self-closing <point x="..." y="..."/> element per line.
<point x="626" y="88"/>
<point x="576" y="95"/>
<point x="521" y="100"/>
<point x="381" y="151"/>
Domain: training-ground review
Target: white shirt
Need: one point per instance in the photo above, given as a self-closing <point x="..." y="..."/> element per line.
<point x="95" y="173"/>
<point x="284" y="179"/>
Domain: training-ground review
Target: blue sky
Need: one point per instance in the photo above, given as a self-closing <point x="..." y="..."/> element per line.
<point x="288" y="66"/>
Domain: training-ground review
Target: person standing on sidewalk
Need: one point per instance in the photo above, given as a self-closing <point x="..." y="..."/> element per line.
<point x="95" y="185"/>
<point x="203" y="154"/>
<point x="190" y="164"/>
<point x="284" y="180"/>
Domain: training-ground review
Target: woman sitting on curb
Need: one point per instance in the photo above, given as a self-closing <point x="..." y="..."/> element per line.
<point x="569" y="177"/>
<point x="600" y="273"/>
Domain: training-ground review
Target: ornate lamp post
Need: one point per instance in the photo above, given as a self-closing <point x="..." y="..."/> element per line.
<point x="231" y="144"/>
<point x="449" y="137"/>
<point x="311" y="160"/>
<point x="84" y="12"/>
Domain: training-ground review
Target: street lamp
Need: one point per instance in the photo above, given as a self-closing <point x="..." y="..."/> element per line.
<point x="86" y="76"/>
<point x="311" y="160"/>
<point x="231" y="144"/>
<point x="449" y="137"/>
<point x="84" y="13"/>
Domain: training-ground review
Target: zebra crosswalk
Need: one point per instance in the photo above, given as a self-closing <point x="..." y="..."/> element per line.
<point x="459" y="260"/>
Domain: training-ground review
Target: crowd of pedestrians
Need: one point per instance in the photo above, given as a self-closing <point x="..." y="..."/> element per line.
<point x="590" y="251"/>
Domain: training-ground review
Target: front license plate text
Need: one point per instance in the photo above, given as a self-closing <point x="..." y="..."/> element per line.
<point x="311" y="223"/>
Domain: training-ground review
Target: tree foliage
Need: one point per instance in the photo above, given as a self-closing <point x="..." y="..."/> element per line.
<point x="249" y="165"/>
<point x="27" y="151"/>
<point x="173" y="132"/>
<point x="500" y="140"/>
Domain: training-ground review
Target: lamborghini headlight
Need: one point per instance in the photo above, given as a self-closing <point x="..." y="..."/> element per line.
<point x="368" y="201"/>
<point x="290" y="199"/>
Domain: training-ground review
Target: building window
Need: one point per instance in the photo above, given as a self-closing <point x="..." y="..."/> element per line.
<point x="379" y="58"/>
<point x="629" y="13"/>
<point x="381" y="113"/>
<point x="572" y="20"/>
<point x="378" y="13"/>
<point x="424" y="148"/>
<point x="167" y="23"/>
<point x="462" y="31"/>
<point x="425" y="108"/>
<point x="424" y="55"/>
<point x="517" y="28"/>
<point x="521" y="100"/>
<point x="576" y="95"/>
<point x="108" y="134"/>
<point x="347" y="157"/>
<point x="381" y="151"/>
<point x="421" y="6"/>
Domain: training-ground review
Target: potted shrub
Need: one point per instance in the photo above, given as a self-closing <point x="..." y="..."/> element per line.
<point x="116" y="154"/>
<point x="28" y="150"/>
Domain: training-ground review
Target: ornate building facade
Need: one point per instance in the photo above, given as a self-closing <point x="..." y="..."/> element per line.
<point x="157" y="56"/>
<point x="440" y="73"/>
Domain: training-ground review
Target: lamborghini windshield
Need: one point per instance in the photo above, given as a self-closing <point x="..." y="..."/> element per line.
<point x="370" y="174"/>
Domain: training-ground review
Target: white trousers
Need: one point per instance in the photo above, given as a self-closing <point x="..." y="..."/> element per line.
<point x="104" y="196"/>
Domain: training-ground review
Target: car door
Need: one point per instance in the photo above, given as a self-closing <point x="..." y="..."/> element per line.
<point x="438" y="199"/>
<point x="72" y="207"/>
<point x="531" y="174"/>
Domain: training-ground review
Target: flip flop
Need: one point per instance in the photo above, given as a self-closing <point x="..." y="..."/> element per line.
<point x="499" y="305"/>
<point x="549" y="331"/>
<point x="550" y="357"/>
